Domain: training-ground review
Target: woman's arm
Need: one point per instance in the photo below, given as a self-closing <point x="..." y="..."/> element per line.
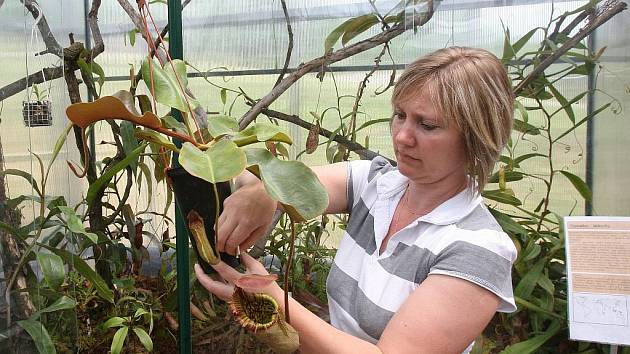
<point x="248" y="212"/>
<point x="443" y="315"/>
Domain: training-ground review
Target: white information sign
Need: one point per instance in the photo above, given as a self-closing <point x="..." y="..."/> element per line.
<point x="598" y="271"/>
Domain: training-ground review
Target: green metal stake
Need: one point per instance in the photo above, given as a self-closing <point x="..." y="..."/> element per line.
<point x="176" y="50"/>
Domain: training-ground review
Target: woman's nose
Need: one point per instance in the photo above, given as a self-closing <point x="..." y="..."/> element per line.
<point x="405" y="135"/>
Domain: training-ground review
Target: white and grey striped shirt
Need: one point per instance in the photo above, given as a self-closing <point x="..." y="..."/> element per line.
<point x="459" y="238"/>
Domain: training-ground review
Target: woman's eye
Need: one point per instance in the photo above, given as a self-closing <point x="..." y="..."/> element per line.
<point x="426" y="126"/>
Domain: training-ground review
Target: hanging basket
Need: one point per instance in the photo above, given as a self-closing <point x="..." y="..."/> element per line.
<point x="37" y="113"/>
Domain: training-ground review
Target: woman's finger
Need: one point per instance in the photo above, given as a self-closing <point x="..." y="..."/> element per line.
<point x="223" y="291"/>
<point x="253" y="266"/>
<point x="226" y="272"/>
<point x="224" y="229"/>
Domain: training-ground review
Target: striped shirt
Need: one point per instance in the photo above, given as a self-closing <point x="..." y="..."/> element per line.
<point x="459" y="238"/>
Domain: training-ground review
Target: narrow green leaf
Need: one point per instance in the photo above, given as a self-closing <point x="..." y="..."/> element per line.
<point x="584" y="120"/>
<point x="579" y="184"/>
<point x="25" y="175"/>
<point x="535" y="308"/>
<point x="98" y="70"/>
<point x="563" y="102"/>
<point x="146" y="173"/>
<point x="223" y="96"/>
<point x="510" y="176"/>
<point x="508" y="51"/>
<point x="545" y="283"/>
<point x="526" y="128"/>
<point x="219" y="163"/>
<point x="129" y="142"/>
<point x="524" y="157"/>
<point x="359" y="25"/>
<point x="501" y="197"/>
<point x="102" y="181"/>
<point x="61" y="140"/>
<point x="119" y="340"/>
<point x="334" y="36"/>
<point x="518" y="45"/>
<point x="84" y="269"/>
<point x="144" y="338"/>
<point x="63" y="303"/>
<point x="527" y="284"/>
<point x="140" y="312"/>
<point x="53" y="269"/>
<point x="40" y="336"/>
<point x="132" y="36"/>
<point x="532" y="344"/>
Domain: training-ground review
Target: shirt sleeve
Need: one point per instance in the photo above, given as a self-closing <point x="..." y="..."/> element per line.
<point x="362" y="172"/>
<point x="487" y="262"/>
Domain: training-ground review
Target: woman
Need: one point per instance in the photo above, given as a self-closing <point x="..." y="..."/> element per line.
<point x="423" y="266"/>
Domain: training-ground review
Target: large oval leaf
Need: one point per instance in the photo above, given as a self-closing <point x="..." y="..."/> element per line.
<point x="155" y="137"/>
<point x="164" y="85"/>
<point x="75" y="225"/>
<point x="119" y="340"/>
<point x="117" y="106"/>
<point x="221" y="125"/>
<point x="144" y="338"/>
<point x="40" y="336"/>
<point x="291" y="183"/>
<point x="357" y="26"/>
<point x="53" y="269"/>
<point x="221" y="162"/>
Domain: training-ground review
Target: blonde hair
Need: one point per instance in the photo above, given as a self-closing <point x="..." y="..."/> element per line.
<point x="469" y="87"/>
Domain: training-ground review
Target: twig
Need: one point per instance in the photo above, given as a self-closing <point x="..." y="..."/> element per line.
<point x="290" y="46"/>
<point x="334" y="57"/>
<point x="378" y="14"/>
<point x="46" y="74"/>
<point x="614" y="8"/>
<point x="49" y="38"/>
<point x="359" y="149"/>
<point x="92" y="20"/>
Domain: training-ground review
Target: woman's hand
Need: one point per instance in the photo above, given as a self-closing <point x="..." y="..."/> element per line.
<point x="247" y="214"/>
<point x="224" y="290"/>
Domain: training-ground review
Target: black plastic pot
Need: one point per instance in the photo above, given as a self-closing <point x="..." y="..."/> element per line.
<point x="37" y="113"/>
<point x="192" y="193"/>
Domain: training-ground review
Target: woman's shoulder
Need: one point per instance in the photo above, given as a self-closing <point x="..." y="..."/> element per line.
<point x="369" y="169"/>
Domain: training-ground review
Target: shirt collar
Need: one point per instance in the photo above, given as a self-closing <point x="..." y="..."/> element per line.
<point x="451" y="211"/>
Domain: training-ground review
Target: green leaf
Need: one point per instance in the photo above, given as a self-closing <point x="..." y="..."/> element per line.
<point x="25" y="175"/>
<point x="563" y="102"/>
<point x="545" y="283"/>
<point x="334" y="36"/>
<point x="84" y="269"/>
<point x="154" y="137"/>
<point x="222" y="125"/>
<point x="63" y="303"/>
<point x="291" y="183"/>
<point x="518" y="45"/>
<point x="532" y="344"/>
<point x="501" y="197"/>
<point x="519" y="159"/>
<point x="219" y="163"/>
<point x="140" y="312"/>
<point x="535" y="308"/>
<point x="357" y="26"/>
<point x="584" y="120"/>
<point x="61" y="140"/>
<point x="146" y="172"/>
<point x="132" y="36"/>
<point x="129" y="142"/>
<point x="261" y="132"/>
<point x="223" y="96"/>
<point x="144" y="338"/>
<point x="53" y="269"/>
<point x="114" y="322"/>
<point x="510" y="176"/>
<point x="75" y="225"/>
<point x="171" y="123"/>
<point x="525" y="127"/>
<point x="166" y="88"/>
<point x="527" y="284"/>
<point x="579" y="184"/>
<point x="507" y="223"/>
<point x="40" y="336"/>
<point x="119" y="340"/>
<point x="102" y="181"/>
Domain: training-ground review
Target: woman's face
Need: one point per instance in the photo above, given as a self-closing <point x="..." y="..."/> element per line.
<point x="426" y="150"/>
